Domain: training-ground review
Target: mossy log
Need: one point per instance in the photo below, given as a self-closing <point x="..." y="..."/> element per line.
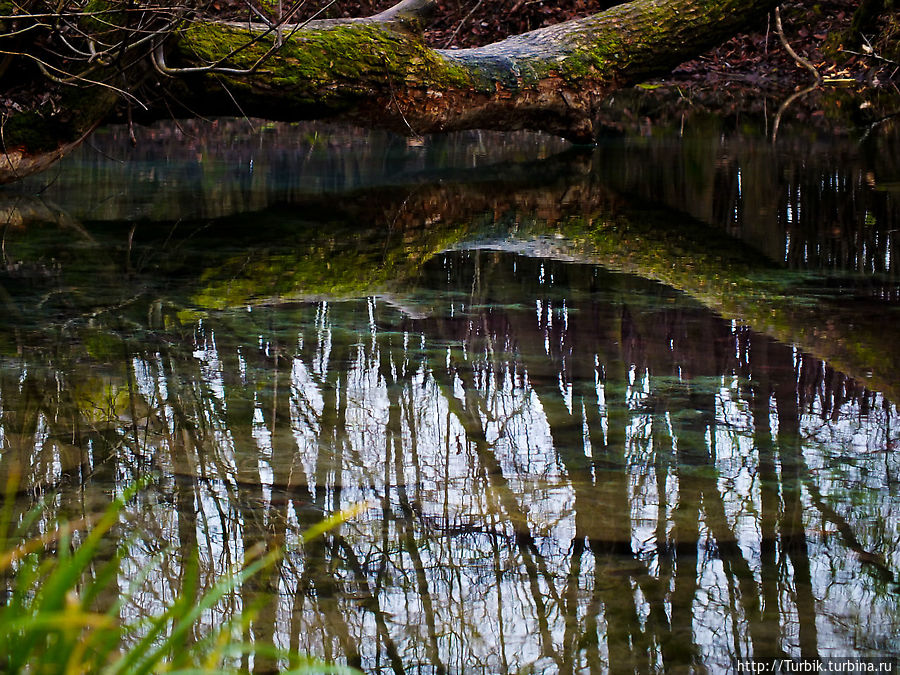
<point x="377" y="71"/>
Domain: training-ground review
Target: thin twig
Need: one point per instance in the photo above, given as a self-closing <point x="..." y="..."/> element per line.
<point x="103" y="154"/>
<point x="159" y="61"/>
<point x="462" y="23"/>
<point x="237" y="105"/>
<point x="9" y="161"/>
<point x="876" y="124"/>
<point x="259" y="14"/>
<point x="25" y="30"/>
<point x="78" y="15"/>
<point x="873" y="55"/>
<point x="396" y="102"/>
<point x="46" y="67"/>
<point x="131" y="137"/>
<point x="784" y="106"/>
<point x="790" y="50"/>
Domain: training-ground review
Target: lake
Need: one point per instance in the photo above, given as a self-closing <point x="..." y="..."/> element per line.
<point x="614" y="409"/>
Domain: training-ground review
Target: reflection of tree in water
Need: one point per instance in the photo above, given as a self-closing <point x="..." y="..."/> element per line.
<point x="823" y="206"/>
<point x="820" y="204"/>
<point x="571" y="469"/>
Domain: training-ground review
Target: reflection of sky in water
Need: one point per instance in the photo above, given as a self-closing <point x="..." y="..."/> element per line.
<point x="567" y="467"/>
<point x="475" y="553"/>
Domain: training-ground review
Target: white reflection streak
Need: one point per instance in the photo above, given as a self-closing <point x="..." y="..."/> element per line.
<point x="366" y="422"/>
<point x="212" y="381"/>
<point x="565" y="390"/>
<point x="144" y="381"/>
<point x="323" y="335"/>
<point x="306" y="408"/>
<point x="263" y="437"/>
<point x="373" y="327"/>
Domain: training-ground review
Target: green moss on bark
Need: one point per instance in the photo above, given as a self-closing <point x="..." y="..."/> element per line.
<point x="356" y="57"/>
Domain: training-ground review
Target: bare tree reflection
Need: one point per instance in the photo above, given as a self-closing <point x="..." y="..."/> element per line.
<point x="573" y="469"/>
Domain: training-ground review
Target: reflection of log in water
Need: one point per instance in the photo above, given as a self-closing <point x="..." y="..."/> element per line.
<point x="376" y="241"/>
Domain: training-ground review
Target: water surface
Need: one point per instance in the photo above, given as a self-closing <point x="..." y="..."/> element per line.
<point x="628" y="409"/>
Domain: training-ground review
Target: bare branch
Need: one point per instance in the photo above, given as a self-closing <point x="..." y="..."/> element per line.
<point x="25" y="30"/>
<point x="790" y="50"/>
<point x="159" y="61"/>
<point x="92" y="14"/>
<point x="71" y="79"/>
<point x="869" y="52"/>
<point x="462" y="23"/>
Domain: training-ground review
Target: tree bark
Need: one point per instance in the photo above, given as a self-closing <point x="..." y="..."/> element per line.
<point x="377" y="71"/>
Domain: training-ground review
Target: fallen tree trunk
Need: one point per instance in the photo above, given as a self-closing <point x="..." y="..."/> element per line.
<point x="378" y="71"/>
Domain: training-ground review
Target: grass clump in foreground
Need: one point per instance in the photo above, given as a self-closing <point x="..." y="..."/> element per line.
<point x="48" y="623"/>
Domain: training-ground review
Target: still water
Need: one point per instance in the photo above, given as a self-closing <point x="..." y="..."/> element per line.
<point x="619" y="410"/>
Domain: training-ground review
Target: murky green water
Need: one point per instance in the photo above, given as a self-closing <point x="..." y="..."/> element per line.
<point x="620" y="410"/>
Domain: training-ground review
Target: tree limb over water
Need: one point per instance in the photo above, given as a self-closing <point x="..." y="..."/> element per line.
<point x="376" y="70"/>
